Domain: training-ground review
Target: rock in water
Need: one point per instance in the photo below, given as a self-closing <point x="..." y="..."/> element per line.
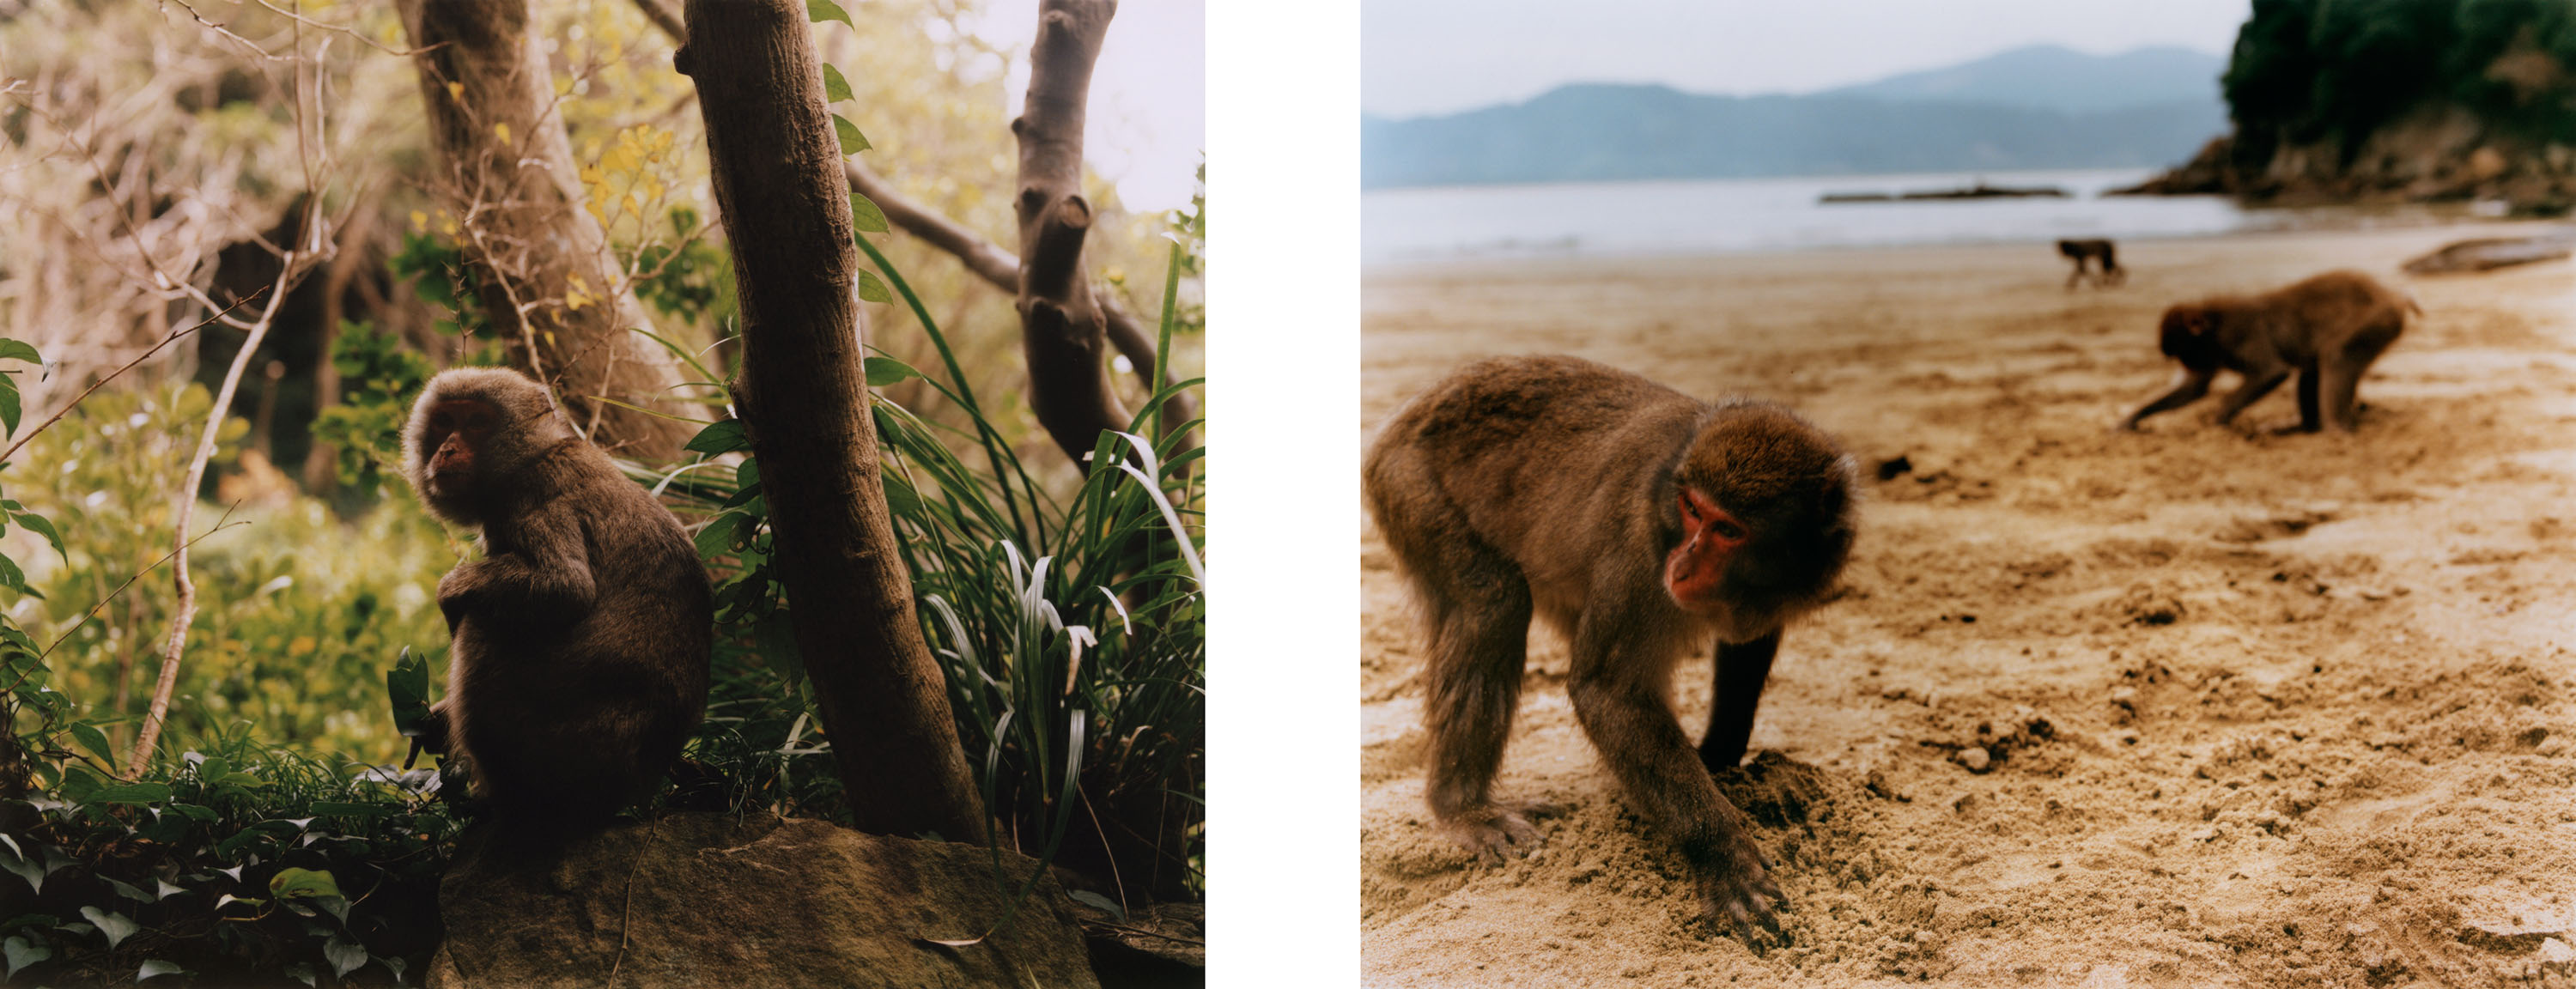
<point x="701" y="899"/>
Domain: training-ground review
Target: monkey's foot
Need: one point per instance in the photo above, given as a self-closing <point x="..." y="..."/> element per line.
<point x="1737" y="893"/>
<point x="1495" y="831"/>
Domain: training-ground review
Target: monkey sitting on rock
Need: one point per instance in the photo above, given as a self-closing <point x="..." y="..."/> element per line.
<point x="1639" y="521"/>
<point x="581" y="637"/>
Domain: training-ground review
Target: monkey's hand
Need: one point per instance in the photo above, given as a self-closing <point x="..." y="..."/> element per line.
<point x="1736" y="890"/>
<point x="433" y="735"/>
<point x="1493" y="832"/>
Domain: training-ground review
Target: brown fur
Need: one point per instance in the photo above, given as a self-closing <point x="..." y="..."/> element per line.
<point x="2081" y="251"/>
<point x="1549" y="486"/>
<point x="581" y="637"/>
<point x="2328" y="329"/>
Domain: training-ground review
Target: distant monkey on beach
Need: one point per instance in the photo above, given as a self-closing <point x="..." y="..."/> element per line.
<point x="1639" y="521"/>
<point x="2081" y="251"/>
<point x="2328" y="329"/>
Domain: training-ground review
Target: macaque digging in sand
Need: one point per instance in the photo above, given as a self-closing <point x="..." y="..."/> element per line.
<point x="1639" y="521"/>
<point x="2327" y="329"/>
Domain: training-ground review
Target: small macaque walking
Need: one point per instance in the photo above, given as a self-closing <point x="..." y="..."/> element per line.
<point x="2081" y="251"/>
<point x="1641" y="522"/>
<point x="2328" y="329"/>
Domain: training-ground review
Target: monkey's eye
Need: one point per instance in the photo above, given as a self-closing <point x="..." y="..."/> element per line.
<point x="1727" y="530"/>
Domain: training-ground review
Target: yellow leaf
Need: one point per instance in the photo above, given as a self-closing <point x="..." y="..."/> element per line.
<point x="620" y="160"/>
<point x="456" y="91"/>
<point x="590" y="175"/>
<point x="593" y="207"/>
<point x="502" y="131"/>
<point x="652" y="190"/>
<point x="631" y="207"/>
<point x="578" y="283"/>
<point x="302" y="644"/>
<point x="419" y="221"/>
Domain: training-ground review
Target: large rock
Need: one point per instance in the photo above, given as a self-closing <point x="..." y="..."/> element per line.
<point x="704" y="900"/>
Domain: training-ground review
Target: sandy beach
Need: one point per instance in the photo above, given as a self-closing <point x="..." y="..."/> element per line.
<point x="2269" y="710"/>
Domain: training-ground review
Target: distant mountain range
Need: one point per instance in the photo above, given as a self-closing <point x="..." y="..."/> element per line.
<point x="2041" y="107"/>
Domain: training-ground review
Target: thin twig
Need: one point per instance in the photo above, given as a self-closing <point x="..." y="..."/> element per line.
<point x="220" y="525"/>
<point x="626" y="915"/>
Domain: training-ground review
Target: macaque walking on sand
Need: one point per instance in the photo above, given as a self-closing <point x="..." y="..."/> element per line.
<point x="1640" y="522"/>
<point x="2328" y="329"/>
<point x="2081" y="251"/>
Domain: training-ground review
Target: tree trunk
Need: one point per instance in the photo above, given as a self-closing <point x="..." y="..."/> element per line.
<point x="510" y="172"/>
<point x="803" y="398"/>
<point x="1062" y="330"/>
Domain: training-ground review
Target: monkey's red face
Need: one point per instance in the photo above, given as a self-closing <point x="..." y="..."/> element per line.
<point x="457" y="430"/>
<point x="1695" y="573"/>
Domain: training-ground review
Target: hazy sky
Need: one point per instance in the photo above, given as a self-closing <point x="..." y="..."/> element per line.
<point x="1146" y="118"/>
<point x="1438" y="56"/>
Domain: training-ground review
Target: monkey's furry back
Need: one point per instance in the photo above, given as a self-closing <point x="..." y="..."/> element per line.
<point x="579" y="663"/>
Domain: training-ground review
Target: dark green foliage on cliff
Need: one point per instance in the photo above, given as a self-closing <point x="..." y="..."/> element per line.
<point x="2317" y="70"/>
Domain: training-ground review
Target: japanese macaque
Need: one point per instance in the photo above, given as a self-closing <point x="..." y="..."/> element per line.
<point x="2081" y="251"/>
<point x="2327" y="329"/>
<point x="581" y="637"/>
<point x="1640" y="522"/>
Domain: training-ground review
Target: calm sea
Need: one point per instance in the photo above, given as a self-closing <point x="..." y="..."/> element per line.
<point x="1785" y="214"/>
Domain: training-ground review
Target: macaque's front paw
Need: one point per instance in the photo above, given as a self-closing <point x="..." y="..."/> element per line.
<point x="1736" y="890"/>
<point x="1494" y="832"/>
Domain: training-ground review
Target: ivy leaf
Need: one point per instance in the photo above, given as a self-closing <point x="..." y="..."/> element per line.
<point x="720" y="436"/>
<point x="23" y="952"/>
<point x="296" y="884"/>
<point x="112" y="924"/>
<point x="819" y="11"/>
<point x="127" y="891"/>
<point x="344" y="954"/>
<point x="852" y="142"/>
<point x="835" y="89"/>
<point x="865" y="215"/>
<point x="153" y="968"/>
<point x="27" y="869"/>
<point x="883" y="371"/>
<point x="873" y="290"/>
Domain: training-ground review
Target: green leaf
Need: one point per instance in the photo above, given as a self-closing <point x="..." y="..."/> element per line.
<point x="9" y="397"/>
<point x="301" y="884"/>
<point x="883" y="371"/>
<point x="353" y="810"/>
<point x="407" y="688"/>
<point x="28" y="869"/>
<point x="21" y="951"/>
<point x="127" y="891"/>
<point x="865" y="215"/>
<point x="721" y="436"/>
<point x="835" y="88"/>
<point x="112" y="924"/>
<point x="153" y="968"/>
<point x="201" y="815"/>
<point x="819" y="11"/>
<point x="344" y="954"/>
<point x="94" y="740"/>
<point x="42" y="526"/>
<point x="10" y="575"/>
<point x="1115" y="911"/>
<point x="130" y="793"/>
<point x="852" y="142"/>
<point x="873" y="290"/>
<point x="19" y="350"/>
<point x="717" y="538"/>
